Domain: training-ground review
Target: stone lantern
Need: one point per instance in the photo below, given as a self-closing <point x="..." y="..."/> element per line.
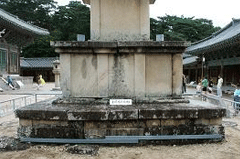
<point x="56" y="71"/>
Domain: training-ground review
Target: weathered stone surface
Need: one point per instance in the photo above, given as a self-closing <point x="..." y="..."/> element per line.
<point x="50" y="129"/>
<point x="170" y="122"/>
<point x="48" y="122"/>
<point x="25" y="131"/>
<point x="25" y="122"/>
<point x="117" y="69"/>
<point x="191" y="130"/>
<point x="167" y="114"/>
<point x="97" y="120"/>
<point x="217" y="121"/>
<point x="94" y="111"/>
<point x="88" y="115"/>
<point x="177" y="74"/>
<point x="153" y="123"/>
<point x="183" y="127"/>
<point x="213" y="121"/>
<point x="211" y="113"/>
<point x="123" y="46"/>
<point x="42" y="111"/>
<point x="123" y="115"/>
<point x="100" y="129"/>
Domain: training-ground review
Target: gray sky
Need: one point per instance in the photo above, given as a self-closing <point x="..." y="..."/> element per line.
<point x="220" y="12"/>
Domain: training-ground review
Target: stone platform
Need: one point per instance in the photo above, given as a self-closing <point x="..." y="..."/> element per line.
<point x="84" y="118"/>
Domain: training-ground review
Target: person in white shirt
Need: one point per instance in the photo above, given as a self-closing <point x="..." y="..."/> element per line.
<point x="219" y="86"/>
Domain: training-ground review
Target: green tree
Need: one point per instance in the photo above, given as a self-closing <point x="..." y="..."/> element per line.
<point x="181" y="28"/>
<point x="66" y="22"/>
<point x="40" y="48"/>
<point x="71" y="20"/>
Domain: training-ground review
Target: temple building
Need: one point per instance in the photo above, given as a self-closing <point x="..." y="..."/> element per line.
<point x="38" y="66"/>
<point x="14" y="34"/>
<point x="218" y="54"/>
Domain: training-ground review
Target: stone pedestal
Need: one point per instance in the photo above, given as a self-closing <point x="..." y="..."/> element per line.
<point x="140" y="70"/>
<point x="88" y="118"/>
<point x="120" y="62"/>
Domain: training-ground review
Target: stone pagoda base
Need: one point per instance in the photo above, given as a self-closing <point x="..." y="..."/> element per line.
<point x="88" y="118"/>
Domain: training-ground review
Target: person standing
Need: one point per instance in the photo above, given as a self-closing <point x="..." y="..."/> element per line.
<point x="184" y="90"/>
<point x="210" y="85"/>
<point x="42" y="81"/>
<point x="205" y="84"/>
<point x="219" y="86"/>
<point x="9" y="81"/>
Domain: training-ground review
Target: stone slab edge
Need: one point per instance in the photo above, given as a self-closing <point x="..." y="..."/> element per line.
<point x="47" y="111"/>
<point x="119" y="44"/>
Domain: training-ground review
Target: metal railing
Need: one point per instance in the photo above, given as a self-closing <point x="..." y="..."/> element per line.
<point x="232" y="107"/>
<point x="8" y="106"/>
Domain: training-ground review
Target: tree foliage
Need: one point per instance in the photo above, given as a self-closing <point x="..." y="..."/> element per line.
<point x="65" y="22"/>
<point x="181" y="28"/>
<point x="40" y="48"/>
<point x="71" y="20"/>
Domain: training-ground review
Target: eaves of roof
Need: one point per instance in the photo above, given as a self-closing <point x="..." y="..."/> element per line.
<point x="190" y="60"/>
<point x="14" y="20"/>
<point x="42" y="62"/>
<point x="223" y="38"/>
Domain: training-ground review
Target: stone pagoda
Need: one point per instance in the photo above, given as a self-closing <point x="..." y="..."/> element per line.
<point x="120" y="84"/>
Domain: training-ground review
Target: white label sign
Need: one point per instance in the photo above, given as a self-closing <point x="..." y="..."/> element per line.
<point x="120" y="101"/>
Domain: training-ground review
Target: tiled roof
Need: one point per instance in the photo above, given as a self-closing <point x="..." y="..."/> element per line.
<point x="223" y="37"/>
<point x="190" y="60"/>
<point x="14" y="20"/>
<point x="186" y="55"/>
<point x="42" y="62"/>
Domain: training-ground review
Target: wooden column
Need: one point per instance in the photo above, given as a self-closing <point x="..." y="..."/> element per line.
<point x="196" y="74"/>
<point x="189" y="75"/>
<point x="222" y="73"/>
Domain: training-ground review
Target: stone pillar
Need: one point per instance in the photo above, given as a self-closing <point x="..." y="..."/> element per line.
<point x="56" y="71"/>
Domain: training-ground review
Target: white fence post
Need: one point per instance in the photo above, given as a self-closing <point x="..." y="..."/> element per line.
<point x="35" y="98"/>
<point x="13" y="104"/>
